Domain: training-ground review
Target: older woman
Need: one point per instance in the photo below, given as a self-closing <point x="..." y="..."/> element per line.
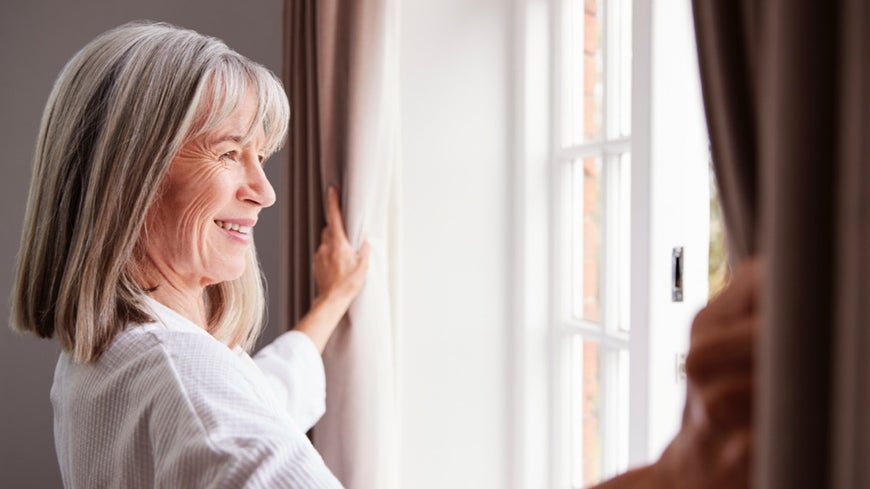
<point x="138" y="255"/>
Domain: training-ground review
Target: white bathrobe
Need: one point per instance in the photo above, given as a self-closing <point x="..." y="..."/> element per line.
<point x="168" y="405"/>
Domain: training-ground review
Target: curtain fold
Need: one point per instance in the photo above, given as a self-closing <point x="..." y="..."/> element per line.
<point x="302" y="176"/>
<point x="784" y="84"/>
<point x="728" y="44"/>
<point x="344" y="98"/>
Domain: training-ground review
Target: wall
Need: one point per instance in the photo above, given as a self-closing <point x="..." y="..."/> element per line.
<point x="36" y="40"/>
<point x="456" y="123"/>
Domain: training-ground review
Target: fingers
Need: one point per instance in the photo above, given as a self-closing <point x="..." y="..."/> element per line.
<point x="334" y="219"/>
<point x="728" y="402"/>
<point x="736" y="304"/>
<point x="717" y="421"/>
<point x="719" y="367"/>
<point x="741" y="295"/>
<point x="723" y="350"/>
<point x="735" y="459"/>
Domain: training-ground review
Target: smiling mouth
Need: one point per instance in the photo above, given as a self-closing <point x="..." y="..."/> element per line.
<point x="234" y="227"/>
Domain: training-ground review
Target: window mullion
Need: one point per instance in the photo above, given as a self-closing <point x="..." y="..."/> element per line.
<point x="612" y="146"/>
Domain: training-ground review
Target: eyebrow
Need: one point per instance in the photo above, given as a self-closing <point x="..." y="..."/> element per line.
<point x="238" y="139"/>
<point x="228" y="137"/>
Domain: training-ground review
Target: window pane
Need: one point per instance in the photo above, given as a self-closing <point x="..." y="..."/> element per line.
<point x="586" y="234"/>
<point x="585" y="412"/>
<point x="615" y="421"/>
<point x="582" y="75"/>
<point x="619" y="209"/>
<point x="619" y="68"/>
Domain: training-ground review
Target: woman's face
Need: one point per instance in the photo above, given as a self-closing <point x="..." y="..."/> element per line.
<point x="200" y="228"/>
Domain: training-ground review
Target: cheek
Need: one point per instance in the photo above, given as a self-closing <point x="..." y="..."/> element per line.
<point x="191" y="203"/>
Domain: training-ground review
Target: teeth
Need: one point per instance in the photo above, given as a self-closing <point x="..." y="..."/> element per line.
<point x="234" y="227"/>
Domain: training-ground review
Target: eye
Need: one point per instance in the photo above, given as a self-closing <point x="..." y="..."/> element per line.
<point x="230" y="156"/>
<point x="261" y="159"/>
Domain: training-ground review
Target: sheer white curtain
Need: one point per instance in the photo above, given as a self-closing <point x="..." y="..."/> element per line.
<point x="342" y="74"/>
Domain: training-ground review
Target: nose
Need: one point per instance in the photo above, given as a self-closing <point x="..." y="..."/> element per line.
<point x="257" y="189"/>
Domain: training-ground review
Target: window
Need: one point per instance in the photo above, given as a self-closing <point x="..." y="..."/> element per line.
<point x="612" y="175"/>
<point x="592" y="156"/>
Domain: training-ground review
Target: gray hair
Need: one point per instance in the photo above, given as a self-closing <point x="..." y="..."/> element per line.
<point x="118" y="114"/>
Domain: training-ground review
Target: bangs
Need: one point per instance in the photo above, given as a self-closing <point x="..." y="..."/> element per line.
<point x="225" y="87"/>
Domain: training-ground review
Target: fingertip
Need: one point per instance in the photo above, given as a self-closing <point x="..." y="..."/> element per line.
<point x="736" y="454"/>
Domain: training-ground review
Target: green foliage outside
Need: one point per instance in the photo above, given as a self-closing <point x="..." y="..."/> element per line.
<point x="717" y="274"/>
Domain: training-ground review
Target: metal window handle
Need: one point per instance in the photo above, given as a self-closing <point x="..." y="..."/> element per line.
<point x="677" y="274"/>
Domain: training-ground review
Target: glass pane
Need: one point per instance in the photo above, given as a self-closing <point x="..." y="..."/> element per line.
<point x="615" y="412"/>
<point x="585" y="409"/>
<point x="583" y="64"/>
<point x="620" y="71"/>
<point x="620" y="210"/>
<point x="620" y="450"/>
<point x="586" y="234"/>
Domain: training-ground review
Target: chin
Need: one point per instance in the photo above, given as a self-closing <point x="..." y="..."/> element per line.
<point x="228" y="274"/>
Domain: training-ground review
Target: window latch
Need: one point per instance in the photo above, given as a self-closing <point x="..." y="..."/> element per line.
<point x="677" y="274"/>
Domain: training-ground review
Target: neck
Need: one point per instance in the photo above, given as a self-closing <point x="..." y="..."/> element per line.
<point x="191" y="306"/>
<point x="184" y="297"/>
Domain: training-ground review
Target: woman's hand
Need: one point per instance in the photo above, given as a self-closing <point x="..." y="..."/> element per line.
<point x="713" y="448"/>
<point x="339" y="270"/>
<point x="339" y="273"/>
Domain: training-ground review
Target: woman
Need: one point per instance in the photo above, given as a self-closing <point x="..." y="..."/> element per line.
<point x="137" y="254"/>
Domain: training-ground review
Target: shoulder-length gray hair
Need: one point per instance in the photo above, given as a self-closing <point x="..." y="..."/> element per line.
<point x="118" y="114"/>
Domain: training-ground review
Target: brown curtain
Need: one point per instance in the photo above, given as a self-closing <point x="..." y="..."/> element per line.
<point x="342" y="78"/>
<point x="783" y="84"/>
<point x="303" y="175"/>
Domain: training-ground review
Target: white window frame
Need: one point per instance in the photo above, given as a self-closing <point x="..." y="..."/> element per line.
<point x="567" y="327"/>
<point x="534" y="460"/>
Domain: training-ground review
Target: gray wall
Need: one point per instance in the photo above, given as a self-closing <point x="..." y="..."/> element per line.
<point x="36" y="39"/>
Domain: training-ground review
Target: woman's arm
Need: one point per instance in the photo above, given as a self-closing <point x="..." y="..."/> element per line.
<point x="339" y="272"/>
<point x="294" y="368"/>
<point x="292" y="362"/>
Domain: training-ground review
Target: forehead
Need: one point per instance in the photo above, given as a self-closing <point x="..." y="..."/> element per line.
<point x="234" y="118"/>
<point x="243" y="115"/>
<point x="243" y="100"/>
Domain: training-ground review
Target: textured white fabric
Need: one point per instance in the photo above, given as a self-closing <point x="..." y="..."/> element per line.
<point x="168" y="405"/>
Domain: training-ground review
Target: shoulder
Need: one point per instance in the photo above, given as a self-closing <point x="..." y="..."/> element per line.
<point x="189" y="375"/>
<point x="150" y="365"/>
<point x="195" y="362"/>
<point x="151" y="345"/>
